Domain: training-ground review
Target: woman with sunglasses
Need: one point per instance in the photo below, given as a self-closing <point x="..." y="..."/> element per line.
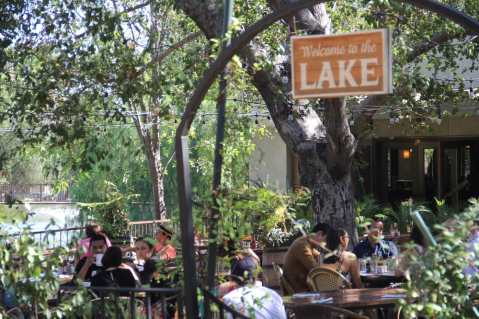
<point x="145" y="266"/>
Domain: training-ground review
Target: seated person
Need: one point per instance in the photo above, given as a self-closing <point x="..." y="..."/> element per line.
<point x="418" y="249"/>
<point x="302" y="256"/>
<point x="91" y="264"/>
<point x="146" y="266"/>
<point x="115" y="273"/>
<point x="163" y="249"/>
<point x="90" y="232"/>
<point x="242" y="264"/>
<point x="374" y="245"/>
<point x="250" y="300"/>
<point x="339" y="259"/>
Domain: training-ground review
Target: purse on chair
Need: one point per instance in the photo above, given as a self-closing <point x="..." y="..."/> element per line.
<point x="325" y="279"/>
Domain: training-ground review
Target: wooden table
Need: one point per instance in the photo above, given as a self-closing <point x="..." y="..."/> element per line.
<point x="352" y="298"/>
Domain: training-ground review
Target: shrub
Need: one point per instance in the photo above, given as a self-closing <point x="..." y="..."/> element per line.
<point x="439" y="286"/>
<point x="30" y="275"/>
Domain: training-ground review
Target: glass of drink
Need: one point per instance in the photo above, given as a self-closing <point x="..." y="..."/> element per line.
<point x="363" y="265"/>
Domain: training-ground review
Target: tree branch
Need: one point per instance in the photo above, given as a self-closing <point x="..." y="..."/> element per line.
<point x="436" y="40"/>
<point x="160" y="57"/>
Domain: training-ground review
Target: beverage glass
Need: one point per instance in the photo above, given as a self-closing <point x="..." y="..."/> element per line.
<point x="374" y="265"/>
<point x="363" y="265"/>
<point x="141" y="265"/>
<point x="98" y="258"/>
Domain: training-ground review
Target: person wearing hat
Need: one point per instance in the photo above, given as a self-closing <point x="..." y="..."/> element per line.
<point x="243" y="267"/>
<point x="163" y="248"/>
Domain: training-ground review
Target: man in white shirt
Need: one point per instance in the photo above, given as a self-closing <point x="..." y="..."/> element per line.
<point x="252" y="300"/>
<point x="256" y="302"/>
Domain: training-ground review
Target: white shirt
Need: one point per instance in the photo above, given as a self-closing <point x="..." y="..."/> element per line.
<point x="256" y="302"/>
<point x="473" y="249"/>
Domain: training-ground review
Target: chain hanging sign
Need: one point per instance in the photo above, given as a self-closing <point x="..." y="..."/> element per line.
<point x="358" y="63"/>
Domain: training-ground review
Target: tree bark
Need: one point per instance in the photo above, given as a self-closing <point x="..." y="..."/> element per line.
<point x="156" y="174"/>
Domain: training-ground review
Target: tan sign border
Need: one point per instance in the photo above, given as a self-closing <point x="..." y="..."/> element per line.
<point x="387" y="67"/>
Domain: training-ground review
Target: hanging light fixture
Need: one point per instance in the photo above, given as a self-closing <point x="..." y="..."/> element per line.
<point x="406" y="154"/>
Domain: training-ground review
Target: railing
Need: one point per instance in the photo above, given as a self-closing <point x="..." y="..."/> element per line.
<point x="222" y="308"/>
<point x="132" y="302"/>
<point x="145" y="228"/>
<point x="32" y="192"/>
<point x="64" y="236"/>
<point x="55" y="237"/>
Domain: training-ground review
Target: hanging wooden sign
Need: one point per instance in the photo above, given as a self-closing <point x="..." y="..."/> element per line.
<point x="357" y="63"/>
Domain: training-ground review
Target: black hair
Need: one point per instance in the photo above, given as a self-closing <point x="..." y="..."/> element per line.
<point x="97" y="237"/>
<point x="90" y="230"/>
<point x="321" y="227"/>
<point x="147" y="241"/>
<point x="112" y="257"/>
<point x="333" y="240"/>
<point x="417" y="237"/>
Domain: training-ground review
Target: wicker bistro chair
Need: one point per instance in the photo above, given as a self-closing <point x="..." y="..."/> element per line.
<point x="314" y="311"/>
<point x="286" y="288"/>
<point x="15" y="313"/>
<point x="325" y="279"/>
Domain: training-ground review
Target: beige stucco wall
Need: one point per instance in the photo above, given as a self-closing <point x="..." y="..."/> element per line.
<point x="449" y="127"/>
<point x="268" y="164"/>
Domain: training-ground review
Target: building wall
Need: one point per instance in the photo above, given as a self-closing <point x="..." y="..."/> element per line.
<point x="449" y="127"/>
<point x="268" y="164"/>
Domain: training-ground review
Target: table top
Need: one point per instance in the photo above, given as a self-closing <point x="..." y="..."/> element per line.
<point x="350" y="298"/>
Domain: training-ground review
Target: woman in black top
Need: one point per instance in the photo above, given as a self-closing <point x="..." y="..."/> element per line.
<point x="146" y="266"/>
<point x="115" y="273"/>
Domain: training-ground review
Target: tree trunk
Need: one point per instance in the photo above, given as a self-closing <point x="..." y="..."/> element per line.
<point x="150" y="139"/>
<point x="156" y="174"/>
<point x="332" y="198"/>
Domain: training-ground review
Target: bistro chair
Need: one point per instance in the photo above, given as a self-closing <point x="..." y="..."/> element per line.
<point x="314" y="311"/>
<point x="325" y="279"/>
<point x="286" y="288"/>
<point x="15" y="313"/>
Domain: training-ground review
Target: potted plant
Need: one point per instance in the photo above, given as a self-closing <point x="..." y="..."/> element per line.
<point x="273" y="219"/>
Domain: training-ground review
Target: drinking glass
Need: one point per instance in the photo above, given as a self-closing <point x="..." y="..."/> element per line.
<point x="363" y="265"/>
<point x="374" y="265"/>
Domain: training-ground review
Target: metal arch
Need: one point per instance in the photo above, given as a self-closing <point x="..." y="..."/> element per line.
<point x="181" y="140"/>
